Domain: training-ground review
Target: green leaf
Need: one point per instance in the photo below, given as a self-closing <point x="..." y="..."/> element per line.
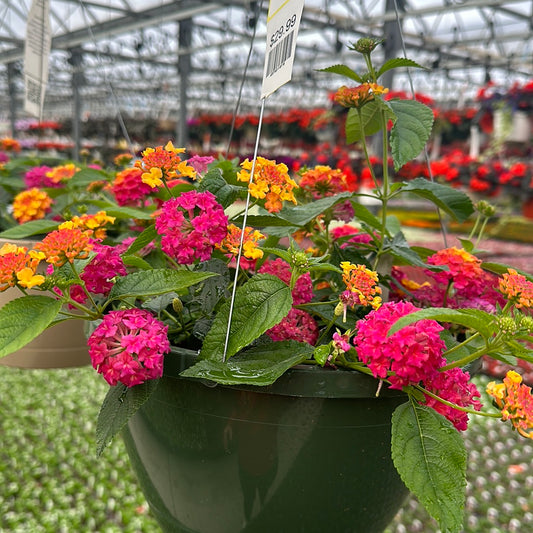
<point x="262" y="302"/>
<point x="262" y="221"/>
<point x="410" y="131"/>
<point x="85" y="177"/>
<point x="501" y="268"/>
<point x="343" y="70"/>
<point x="114" y="210"/>
<point x="261" y="365"/>
<point x="214" y="182"/>
<point x="470" y="318"/>
<point x="154" y="282"/>
<point x="23" y="319"/>
<point x="302" y="214"/>
<point x="142" y="240"/>
<point x="28" y="229"/>
<point x="370" y="120"/>
<point x="397" y="62"/>
<point x="399" y="247"/>
<point x="430" y="456"/>
<point x="454" y="202"/>
<point x="363" y="214"/>
<point x="119" y="405"/>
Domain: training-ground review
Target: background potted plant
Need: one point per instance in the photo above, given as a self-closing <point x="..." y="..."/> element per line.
<point x="228" y="351"/>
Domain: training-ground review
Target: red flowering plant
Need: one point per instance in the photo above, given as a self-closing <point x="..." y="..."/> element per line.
<point x="257" y="271"/>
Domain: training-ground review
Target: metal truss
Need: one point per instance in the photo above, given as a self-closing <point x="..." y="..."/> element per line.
<point x="132" y="57"/>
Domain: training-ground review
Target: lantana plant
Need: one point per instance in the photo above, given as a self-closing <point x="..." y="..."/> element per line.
<point x="307" y="275"/>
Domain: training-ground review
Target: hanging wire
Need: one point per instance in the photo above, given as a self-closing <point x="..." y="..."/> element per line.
<point x="238" y="102"/>
<point x="412" y="89"/>
<point x="106" y="80"/>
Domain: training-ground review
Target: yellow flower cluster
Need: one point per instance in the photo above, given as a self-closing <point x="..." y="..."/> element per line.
<point x="515" y="401"/>
<point x="62" y="173"/>
<point x="18" y="267"/>
<point x="250" y="248"/>
<point x="358" y="96"/>
<point x="271" y="181"/>
<point x="163" y="163"/>
<point x="93" y="222"/>
<point x="361" y="284"/>
<point x="32" y="204"/>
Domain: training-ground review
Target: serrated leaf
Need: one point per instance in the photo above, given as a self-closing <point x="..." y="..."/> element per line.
<point x="215" y="288"/>
<point x="454" y="202"/>
<point x="28" y="229"/>
<point x="430" y="456"/>
<point x="368" y="123"/>
<point x="261" y="365"/>
<point x="470" y="318"/>
<point x="119" y="405"/>
<point x="154" y="282"/>
<point x="410" y="131"/>
<point x="262" y="302"/>
<point x="343" y="70"/>
<point x="214" y="182"/>
<point x="23" y="319"/>
<point x="398" y="62"/>
<point x="137" y="262"/>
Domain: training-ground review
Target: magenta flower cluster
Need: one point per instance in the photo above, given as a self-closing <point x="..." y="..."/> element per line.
<point x="128" y="347"/>
<point x="298" y="325"/>
<point x="412" y="356"/>
<point x="303" y="288"/>
<point x="99" y="273"/>
<point x="191" y="226"/>
<point x="36" y="178"/>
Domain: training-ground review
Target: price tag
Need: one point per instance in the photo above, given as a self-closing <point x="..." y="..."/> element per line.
<point x="283" y="23"/>
<point x="36" y="54"/>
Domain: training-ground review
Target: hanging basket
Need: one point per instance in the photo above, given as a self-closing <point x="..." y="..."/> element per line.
<point x="309" y="453"/>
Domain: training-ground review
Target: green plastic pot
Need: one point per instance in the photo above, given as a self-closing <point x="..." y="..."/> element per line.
<point x="311" y="453"/>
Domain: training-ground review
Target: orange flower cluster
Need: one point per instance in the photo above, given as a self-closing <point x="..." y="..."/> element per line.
<point x="66" y="244"/>
<point x="18" y="267"/>
<point x="94" y="223"/>
<point x="270" y="181"/>
<point x="516" y="288"/>
<point x="361" y="284"/>
<point x="163" y="163"/>
<point x="358" y="96"/>
<point x="122" y="159"/>
<point x="250" y="248"/>
<point x="323" y="181"/>
<point x="62" y="173"/>
<point x="515" y="401"/>
<point x="9" y="145"/>
<point x="32" y="204"/>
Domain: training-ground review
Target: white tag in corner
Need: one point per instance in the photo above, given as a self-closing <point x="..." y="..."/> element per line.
<point x="283" y="23"/>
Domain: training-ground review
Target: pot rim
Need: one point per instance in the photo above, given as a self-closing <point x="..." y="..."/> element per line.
<point x="299" y="381"/>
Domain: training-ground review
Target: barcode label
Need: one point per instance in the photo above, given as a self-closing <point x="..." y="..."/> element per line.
<point x="34" y="91"/>
<point x="279" y="54"/>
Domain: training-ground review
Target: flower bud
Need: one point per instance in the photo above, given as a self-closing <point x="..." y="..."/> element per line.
<point x="507" y="325"/>
<point x="485" y="208"/>
<point x="366" y="45"/>
<point x="177" y="305"/>
<point x="526" y="322"/>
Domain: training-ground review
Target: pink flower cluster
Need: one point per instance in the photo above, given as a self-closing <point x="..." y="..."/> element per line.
<point x="129" y="346"/>
<point x="303" y="289"/>
<point x="357" y="236"/>
<point x="97" y="275"/>
<point x="36" y="177"/>
<point x="129" y="189"/>
<point x="191" y="225"/>
<point x="413" y="355"/>
<point x="297" y="325"/>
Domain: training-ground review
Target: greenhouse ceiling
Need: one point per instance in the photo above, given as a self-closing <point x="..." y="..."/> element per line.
<point x="143" y="57"/>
